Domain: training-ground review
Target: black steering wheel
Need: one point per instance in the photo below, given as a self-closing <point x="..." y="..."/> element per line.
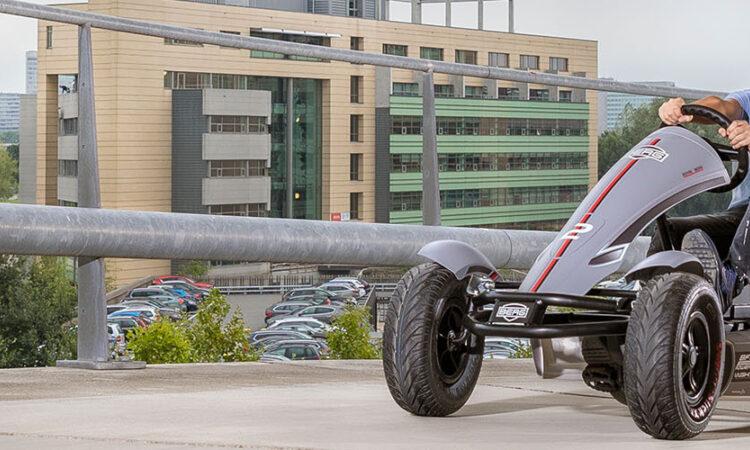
<point x="725" y="152"/>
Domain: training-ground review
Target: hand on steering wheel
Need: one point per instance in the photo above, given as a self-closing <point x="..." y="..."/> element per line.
<point x="726" y="153"/>
<point x="738" y="134"/>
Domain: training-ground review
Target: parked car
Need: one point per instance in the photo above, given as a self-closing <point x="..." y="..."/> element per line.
<point x="294" y="350"/>
<point x="309" y="292"/>
<point x="314" y="299"/>
<point x="265" y="337"/>
<point x="160" y="301"/>
<point x="321" y="312"/>
<point x="165" y="311"/>
<point x="114" y="331"/>
<point x="301" y="328"/>
<point x="343" y="288"/>
<point x="115" y="308"/>
<point x="127" y="323"/>
<point x="284" y="308"/>
<point x="353" y="280"/>
<point x="158" y="291"/>
<point x="163" y="278"/>
<point x="197" y="293"/>
<point x="174" y="291"/>
<point x="148" y="313"/>
<point x="315" y="324"/>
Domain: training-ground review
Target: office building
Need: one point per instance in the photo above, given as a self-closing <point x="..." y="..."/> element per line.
<point x="612" y="105"/>
<point x="186" y="127"/>
<point x="10" y="111"/>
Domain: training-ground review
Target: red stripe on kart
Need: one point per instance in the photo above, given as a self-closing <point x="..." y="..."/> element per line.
<point x="655" y="141"/>
<point x="594" y="206"/>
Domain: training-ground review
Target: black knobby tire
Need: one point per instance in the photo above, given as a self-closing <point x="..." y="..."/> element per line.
<point x="423" y="375"/>
<point x="674" y="356"/>
<point x="619" y="395"/>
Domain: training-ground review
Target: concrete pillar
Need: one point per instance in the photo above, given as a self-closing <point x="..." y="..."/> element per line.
<point x="430" y="175"/>
<point x="511" y="17"/>
<point x="448" y="11"/>
<point x="290" y="148"/>
<point x="416" y="11"/>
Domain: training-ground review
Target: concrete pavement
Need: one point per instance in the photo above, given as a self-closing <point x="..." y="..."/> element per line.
<point x="329" y="404"/>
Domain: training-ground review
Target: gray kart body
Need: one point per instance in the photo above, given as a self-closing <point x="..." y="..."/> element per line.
<point x="667" y="167"/>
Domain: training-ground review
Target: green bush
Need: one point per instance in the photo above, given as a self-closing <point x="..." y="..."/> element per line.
<point x="213" y="340"/>
<point x="163" y="342"/>
<point x="193" y="269"/>
<point x="524" y="351"/>
<point x="207" y="337"/>
<point x="350" y="336"/>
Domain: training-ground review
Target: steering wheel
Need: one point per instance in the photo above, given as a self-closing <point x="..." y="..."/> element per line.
<point x="725" y="152"/>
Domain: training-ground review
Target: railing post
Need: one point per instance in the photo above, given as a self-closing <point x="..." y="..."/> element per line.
<point x="93" y="340"/>
<point x="430" y="174"/>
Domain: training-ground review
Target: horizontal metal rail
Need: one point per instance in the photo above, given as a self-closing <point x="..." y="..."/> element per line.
<point x="281" y="288"/>
<point x="60" y="231"/>
<point x="106" y="22"/>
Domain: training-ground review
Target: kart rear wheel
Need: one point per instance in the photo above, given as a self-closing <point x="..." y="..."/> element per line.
<point x="674" y="356"/>
<point x="431" y="361"/>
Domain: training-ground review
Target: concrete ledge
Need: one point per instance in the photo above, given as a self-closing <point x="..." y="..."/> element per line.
<point x="101" y="365"/>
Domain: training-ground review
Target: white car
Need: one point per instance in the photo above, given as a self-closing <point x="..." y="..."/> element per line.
<point x="315" y="324"/>
<point x="337" y="287"/>
<point x="353" y="280"/>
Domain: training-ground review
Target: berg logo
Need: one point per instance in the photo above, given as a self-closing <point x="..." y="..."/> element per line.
<point x="650" y="152"/>
<point x="510" y="312"/>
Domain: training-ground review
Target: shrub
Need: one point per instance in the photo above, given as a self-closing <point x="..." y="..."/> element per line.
<point x="193" y="269"/>
<point x="212" y="340"/>
<point x="163" y="342"/>
<point x="350" y="336"/>
<point x="524" y="351"/>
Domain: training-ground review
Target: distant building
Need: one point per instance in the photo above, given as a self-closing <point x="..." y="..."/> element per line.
<point x="613" y="104"/>
<point x="31" y="72"/>
<point x="10" y="111"/>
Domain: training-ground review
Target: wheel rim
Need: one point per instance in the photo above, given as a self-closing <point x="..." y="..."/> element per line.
<point x="452" y="341"/>
<point x="695" y="359"/>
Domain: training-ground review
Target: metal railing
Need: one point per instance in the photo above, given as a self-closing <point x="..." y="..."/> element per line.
<point x="93" y="234"/>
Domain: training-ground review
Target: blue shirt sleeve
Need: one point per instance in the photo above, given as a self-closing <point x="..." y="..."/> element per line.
<point x="743" y="98"/>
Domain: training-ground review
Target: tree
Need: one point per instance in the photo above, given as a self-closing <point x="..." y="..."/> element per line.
<point x="37" y="311"/>
<point x="350" y="336"/>
<point x="193" y="269"/>
<point x="8" y="175"/>
<point x="639" y="123"/>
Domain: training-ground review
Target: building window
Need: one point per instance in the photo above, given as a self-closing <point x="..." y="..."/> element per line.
<point x="355" y="8"/>
<point x="529" y="62"/>
<point x="300" y="39"/>
<point x="504" y="93"/>
<point x="237" y="168"/>
<point x="444" y="90"/>
<point x="67" y="203"/>
<point x="237" y="124"/>
<point x="466" y="56"/>
<point x="355" y="205"/>
<point x="474" y="91"/>
<point x="498" y="59"/>
<point x="355" y="128"/>
<point x="67" y="168"/>
<point x="435" y="54"/>
<point x="355" y="89"/>
<point x="539" y="95"/>
<point x="395" y="49"/>
<point x="493" y="126"/>
<point x="559" y="64"/>
<point x="406" y="89"/>
<point x="356" y="43"/>
<point x="243" y="210"/>
<point x="49" y="37"/>
<point x="566" y="96"/>
<point x="68" y="127"/>
<point x="355" y="167"/>
<point x="493" y="162"/>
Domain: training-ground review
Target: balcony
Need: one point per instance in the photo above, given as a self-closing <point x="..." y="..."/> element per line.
<point x="67" y="189"/>
<point x="233" y="102"/>
<point x="68" y="105"/>
<point x="67" y="147"/>
<point x="235" y="190"/>
<point x="228" y="146"/>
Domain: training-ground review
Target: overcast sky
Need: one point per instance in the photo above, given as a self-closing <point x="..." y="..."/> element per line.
<point x="699" y="44"/>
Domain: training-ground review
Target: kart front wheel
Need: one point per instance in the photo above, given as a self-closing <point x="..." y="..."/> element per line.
<point x="674" y="356"/>
<point x="430" y="359"/>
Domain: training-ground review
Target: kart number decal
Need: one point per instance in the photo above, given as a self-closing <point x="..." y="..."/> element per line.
<point x="511" y="312"/>
<point x="650" y="152"/>
<point x="580" y="228"/>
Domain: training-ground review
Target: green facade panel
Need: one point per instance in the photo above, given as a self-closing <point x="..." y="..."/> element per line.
<point x="404" y="143"/>
<point x="512" y="109"/>
<point x="491" y="215"/>
<point x="409" y="182"/>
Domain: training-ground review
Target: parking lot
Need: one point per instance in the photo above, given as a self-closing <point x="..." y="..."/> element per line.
<point x="321" y="404"/>
<point x="253" y="307"/>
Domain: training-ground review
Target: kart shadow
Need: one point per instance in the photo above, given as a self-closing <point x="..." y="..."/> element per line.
<point x="594" y="405"/>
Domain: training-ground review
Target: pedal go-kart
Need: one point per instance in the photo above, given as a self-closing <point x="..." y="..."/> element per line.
<point x="668" y="350"/>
